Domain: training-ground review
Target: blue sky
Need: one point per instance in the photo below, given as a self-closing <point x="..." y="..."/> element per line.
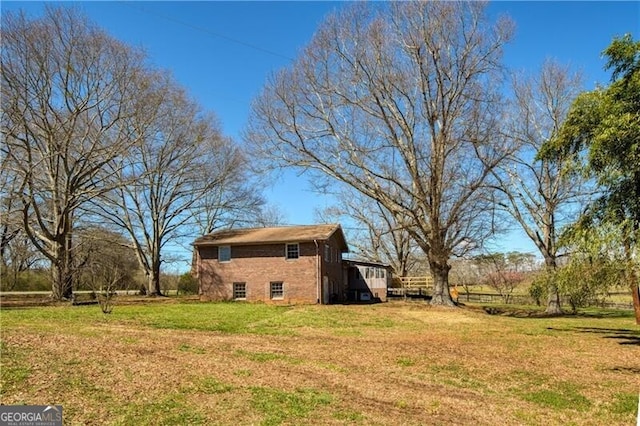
<point x="222" y="52"/>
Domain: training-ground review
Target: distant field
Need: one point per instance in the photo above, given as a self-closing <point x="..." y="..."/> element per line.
<point x="177" y="363"/>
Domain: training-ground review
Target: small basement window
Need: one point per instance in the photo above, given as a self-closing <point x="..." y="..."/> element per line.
<point x="239" y="291"/>
<point x="292" y="251"/>
<point x="224" y="253"/>
<point x="277" y="290"/>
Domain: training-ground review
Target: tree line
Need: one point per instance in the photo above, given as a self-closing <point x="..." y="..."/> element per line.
<point x="406" y="109"/>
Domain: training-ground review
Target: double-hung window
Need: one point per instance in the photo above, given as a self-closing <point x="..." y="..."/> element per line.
<point x="292" y="251"/>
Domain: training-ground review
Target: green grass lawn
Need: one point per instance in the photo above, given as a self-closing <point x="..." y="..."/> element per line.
<point x="394" y="363"/>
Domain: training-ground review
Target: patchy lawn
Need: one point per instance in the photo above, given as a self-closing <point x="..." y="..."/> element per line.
<point x="395" y="363"/>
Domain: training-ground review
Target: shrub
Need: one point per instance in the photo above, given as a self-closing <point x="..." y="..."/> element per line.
<point x="187" y="284"/>
<point x="34" y="280"/>
<point x="538" y="288"/>
<point x="581" y="282"/>
<point x="586" y="282"/>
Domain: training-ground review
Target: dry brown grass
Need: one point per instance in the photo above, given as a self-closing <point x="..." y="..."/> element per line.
<point x="397" y="363"/>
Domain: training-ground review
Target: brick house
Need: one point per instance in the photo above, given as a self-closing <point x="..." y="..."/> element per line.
<point x="288" y="264"/>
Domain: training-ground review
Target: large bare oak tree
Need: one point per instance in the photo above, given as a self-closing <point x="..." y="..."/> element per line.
<point x="67" y="90"/>
<point x="400" y="101"/>
<point x="178" y="170"/>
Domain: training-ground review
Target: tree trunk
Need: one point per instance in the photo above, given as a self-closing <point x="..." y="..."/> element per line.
<point x="440" y="273"/>
<point x="154" y="280"/>
<point x="154" y="285"/>
<point x="62" y="268"/>
<point x="632" y="279"/>
<point x="553" y="299"/>
<point x="62" y="287"/>
<point x="635" y="292"/>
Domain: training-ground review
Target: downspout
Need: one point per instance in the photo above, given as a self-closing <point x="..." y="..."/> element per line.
<point x="318" y="289"/>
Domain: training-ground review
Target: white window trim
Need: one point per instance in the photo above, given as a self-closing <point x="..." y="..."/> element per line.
<point x="234" y="291"/>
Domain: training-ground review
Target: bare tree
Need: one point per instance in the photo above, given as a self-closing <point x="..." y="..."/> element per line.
<point x="466" y="273"/>
<point x="541" y="195"/>
<point x="67" y="88"/>
<point x="270" y="215"/>
<point x="7" y="210"/>
<point x="499" y="273"/>
<point x="18" y="256"/>
<point x="179" y="163"/>
<point x="399" y="101"/>
<point x="106" y="264"/>
<point x="236" y="200"/>
<point x="17" y="252"/>
<point x="375" y="233"/>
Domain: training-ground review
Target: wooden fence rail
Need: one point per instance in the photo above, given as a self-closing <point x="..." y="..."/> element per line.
<point x="48" y="293"/>
<point x="424" y="292"/>
<point x="413" y="282"/>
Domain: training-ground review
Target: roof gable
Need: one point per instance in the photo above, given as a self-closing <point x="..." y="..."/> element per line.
<point x="280" y="234"/>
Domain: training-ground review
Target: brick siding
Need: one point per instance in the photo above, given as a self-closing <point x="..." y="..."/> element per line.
<point x="258" y="265"/>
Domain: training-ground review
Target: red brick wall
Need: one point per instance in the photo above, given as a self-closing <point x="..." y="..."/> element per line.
<point x="259" y="265"/>
<point x="332" y="269"/>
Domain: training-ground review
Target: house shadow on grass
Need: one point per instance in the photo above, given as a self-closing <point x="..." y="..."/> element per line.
<point x="624" y="336"/>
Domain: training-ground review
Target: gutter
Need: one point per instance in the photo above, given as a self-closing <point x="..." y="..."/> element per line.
<point x="318" y="289"/>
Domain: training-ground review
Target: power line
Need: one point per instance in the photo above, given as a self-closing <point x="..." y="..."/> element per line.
<point x="206" y="31"/>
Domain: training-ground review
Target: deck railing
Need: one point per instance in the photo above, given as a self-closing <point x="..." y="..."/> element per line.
<point x="425" y="282"/>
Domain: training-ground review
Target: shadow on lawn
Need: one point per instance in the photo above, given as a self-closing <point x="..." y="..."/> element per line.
<point x="538" y="313"/>
<point x="623" y="335"/>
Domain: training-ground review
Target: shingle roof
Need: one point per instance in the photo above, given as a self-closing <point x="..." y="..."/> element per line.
<point x="280" y="234"/>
